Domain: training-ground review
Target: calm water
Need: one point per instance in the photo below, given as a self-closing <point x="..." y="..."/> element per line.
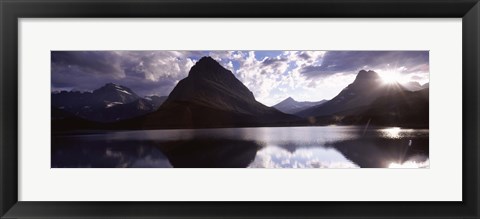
<point x="266" y="147"/>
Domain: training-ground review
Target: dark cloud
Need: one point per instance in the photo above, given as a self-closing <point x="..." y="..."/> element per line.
<point x="146" y="87"/>
<point x="304" y="56"/>
<point x="94" y="62"/>
<point x="274" y="63"/>
<point x="145" y="72"/>
<point x="352" y="61"/>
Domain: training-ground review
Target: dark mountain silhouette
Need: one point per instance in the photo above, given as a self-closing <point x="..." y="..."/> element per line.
<point x="401" y="108"/>
<point x="292" y="106"/>
<point x="407" y="108"/>
<point x="107" y="104"/>
<point x="426" y="85"/>
<point x="210" y="96"/>
<point x="65" y="121"/>
<point x="366" y="88"/>
<point x="58" y="114"/>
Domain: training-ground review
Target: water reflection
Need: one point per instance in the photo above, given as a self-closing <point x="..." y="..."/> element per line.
<point x="80" y="152"/>
<point x="275" y="157"/>
<point x="200" y="153"/>
<point x="278" y="147"/>
<point x="204" y="153"/>
<point x="411" y="164"/>
<point x="370" y="152"/>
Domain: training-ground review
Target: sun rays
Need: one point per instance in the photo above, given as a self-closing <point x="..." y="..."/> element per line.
<point x="390" y="77"/>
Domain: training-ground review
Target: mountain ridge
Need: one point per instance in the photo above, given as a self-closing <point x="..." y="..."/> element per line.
<point x="109" y="103"/>
<point x="211" y="96"/>
<point x="291" y="106"/>
<point x="366" y="87"/>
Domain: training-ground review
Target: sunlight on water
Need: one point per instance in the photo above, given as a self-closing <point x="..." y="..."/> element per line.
<point x="393" y="132"/>
<point x="410" y="164"/>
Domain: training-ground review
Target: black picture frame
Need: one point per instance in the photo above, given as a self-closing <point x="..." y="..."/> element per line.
<point x="12" y="10"/>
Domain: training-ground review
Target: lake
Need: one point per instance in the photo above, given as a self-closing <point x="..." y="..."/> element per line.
<point x="264" y="147"/>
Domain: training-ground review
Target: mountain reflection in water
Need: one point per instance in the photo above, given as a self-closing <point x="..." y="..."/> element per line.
<point x="266" y="147"/>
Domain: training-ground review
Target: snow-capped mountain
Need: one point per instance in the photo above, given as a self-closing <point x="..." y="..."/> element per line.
<point x="113" y="93"/>
<point x="109" y="103"/>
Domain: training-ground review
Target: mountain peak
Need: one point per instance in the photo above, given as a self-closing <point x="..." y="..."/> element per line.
<point x="209" y="84"/>
<point x="112" y="86"/>
<point x="115" y="93"/>
<point x="289" y="99"/>
<point x="206" y="65"/>
<point x="366" y="76"/>
<point x="206" y="59"/>
<point x="291" y="106"/>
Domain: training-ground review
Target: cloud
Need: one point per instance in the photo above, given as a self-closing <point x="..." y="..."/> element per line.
<point x="352" y="61"/>
<point x="271" y="78"/>
<point x="260" y="77"/>
<point x="146" y="72"/>
<point x="274" y="61"/>
<point x="93" y="62"/>
<point x="271" y="75"/>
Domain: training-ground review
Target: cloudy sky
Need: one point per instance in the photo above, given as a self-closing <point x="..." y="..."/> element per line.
<point x="271" y="75"/>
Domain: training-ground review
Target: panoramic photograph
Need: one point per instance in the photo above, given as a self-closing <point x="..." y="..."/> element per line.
<point x="240" y="109"/>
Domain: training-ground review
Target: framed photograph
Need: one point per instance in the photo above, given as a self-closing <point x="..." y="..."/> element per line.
<point x="239" y="109"/>
<point x="214" y="117"/>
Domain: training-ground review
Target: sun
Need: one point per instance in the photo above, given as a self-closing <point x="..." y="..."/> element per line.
<point x="390" y="77"/>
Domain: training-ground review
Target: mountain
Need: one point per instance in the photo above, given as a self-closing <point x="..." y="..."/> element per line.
<point x="156" y="100"/>
<point x="413" y="86"/>
<point x="366" y="88"/>
<point x="107" y="96"/>
<point x="64" y="121"/>
<point x="210" y="96"/>
<point x="109" y="103"/>
<point x="292" y="106"/>
<point x="426" y="85"/>
<point x="406" y="108"/>
<point x="112" y="94"/>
